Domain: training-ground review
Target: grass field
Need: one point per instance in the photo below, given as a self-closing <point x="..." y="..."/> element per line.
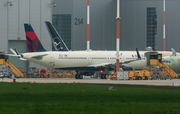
<point x="34" y="98"/>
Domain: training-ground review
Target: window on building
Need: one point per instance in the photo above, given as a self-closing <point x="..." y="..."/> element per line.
<point x="62" y="23"/>
<point x="152" y="27"/>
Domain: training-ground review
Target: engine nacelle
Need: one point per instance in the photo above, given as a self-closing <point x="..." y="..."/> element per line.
<point x="127" y="68"/>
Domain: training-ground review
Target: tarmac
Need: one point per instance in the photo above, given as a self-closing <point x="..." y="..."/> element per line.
<point x="168" y="82"/>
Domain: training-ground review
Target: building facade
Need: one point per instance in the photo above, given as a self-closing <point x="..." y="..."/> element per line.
<point x="14" y="13"/>
<point x="141" y="24"/>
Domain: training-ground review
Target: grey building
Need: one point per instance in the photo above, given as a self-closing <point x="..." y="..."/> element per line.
<point x="13" y="15"/>
<point x="141" y="24"/>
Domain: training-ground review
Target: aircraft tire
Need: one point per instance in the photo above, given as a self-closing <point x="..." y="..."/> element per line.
<point x="102" y="76"/>
<point x="146" y="78"/>
<point x="105" y="76"/>
<point x="80" y="76"/>
<point x="76" y="76"/>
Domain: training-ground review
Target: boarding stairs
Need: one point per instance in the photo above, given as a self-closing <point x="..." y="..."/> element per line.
<point x="161" y="71"/>
<point x="11" y="67"/>
<point x="167" y="71"/>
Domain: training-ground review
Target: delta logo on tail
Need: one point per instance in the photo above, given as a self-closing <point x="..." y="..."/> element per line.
<point x="33" y="43"/>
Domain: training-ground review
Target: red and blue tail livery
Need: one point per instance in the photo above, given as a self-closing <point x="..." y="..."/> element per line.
<point x="33" y="43"/>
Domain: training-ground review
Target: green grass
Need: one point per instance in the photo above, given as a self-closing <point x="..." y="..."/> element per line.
<point x="34" y="98"/>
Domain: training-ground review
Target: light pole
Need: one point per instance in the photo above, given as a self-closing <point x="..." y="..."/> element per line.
<point x="117" y="38"/>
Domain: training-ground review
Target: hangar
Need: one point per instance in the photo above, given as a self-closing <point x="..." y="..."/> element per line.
<point x="141" y="24"/>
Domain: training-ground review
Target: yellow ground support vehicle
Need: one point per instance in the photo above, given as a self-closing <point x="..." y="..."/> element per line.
<point x="4" y="61"/>
<point x="155" y="69"/>
<point x="139" y="74"/>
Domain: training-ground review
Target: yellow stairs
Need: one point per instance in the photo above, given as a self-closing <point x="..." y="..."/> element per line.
<point x="168" y="71"/>
<point x="11" y="67"/>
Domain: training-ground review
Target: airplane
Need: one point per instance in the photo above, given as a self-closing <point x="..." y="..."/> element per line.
<point x="83" y="62"/>
<point x="54" y="35"/>
<point x="173" y="62"/>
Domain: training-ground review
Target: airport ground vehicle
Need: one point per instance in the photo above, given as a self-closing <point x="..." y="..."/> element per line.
<point x="4" y="61"/>
<point x="156" y="69"/>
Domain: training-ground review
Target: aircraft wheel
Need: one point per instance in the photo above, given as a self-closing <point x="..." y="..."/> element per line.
<point x="146" y="78"/>
<point x="76" y="76"/>
<point x="102" y="76"/>
<point x="80" y="76"/>
<point x="105" y="77"/>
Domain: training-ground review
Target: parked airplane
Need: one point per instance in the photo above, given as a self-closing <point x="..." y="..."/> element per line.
<point x="54" y="34"/>
<point x="84" y="62"/>
<point x="173" y="62"/>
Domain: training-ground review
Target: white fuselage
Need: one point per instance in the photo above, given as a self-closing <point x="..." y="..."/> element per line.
<point x="80" y="59"/>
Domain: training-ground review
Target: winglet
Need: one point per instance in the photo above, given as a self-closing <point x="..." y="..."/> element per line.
<point x="139" y="57"/>
<point x="173" y="52"/>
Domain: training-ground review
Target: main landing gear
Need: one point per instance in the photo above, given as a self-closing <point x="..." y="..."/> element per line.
<point x="103" y="76"/>
<point x="79" y="76"/>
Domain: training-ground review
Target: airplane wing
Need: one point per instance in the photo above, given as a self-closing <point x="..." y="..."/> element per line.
<point x="101" y="65"/>
<point x="138" y="55"/>
<point x="173" y="52"/>
<point x="114" y="64"/>
<point x="39" y="56"/>
<point x="12" y="55"/>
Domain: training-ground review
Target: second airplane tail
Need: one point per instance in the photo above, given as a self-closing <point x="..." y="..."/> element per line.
<point x="33" y="43"/>
<point x="58" y="43"/>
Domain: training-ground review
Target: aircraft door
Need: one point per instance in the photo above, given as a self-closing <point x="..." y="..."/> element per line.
<point x="121" y="57"/>
<point x="89" y="59"/>
<point x="52" y="61"/>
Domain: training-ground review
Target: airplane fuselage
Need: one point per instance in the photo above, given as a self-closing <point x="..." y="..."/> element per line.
<point x="173" y="62"/>
<point x="83" y="59"/>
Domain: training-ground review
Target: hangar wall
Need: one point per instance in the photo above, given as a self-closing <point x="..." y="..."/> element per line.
<point x="14" y="14"/>
<point x="102" y="22"/>
<point x="133" y="23"/>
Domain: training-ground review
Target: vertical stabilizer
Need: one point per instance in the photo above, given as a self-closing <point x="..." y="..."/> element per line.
<point x="58" y="43"/>
<point x="33" y="43"/>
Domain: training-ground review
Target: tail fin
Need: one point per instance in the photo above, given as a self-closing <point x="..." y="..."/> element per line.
<point x="33" y="43"/>
<point x="58" y="43"/>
